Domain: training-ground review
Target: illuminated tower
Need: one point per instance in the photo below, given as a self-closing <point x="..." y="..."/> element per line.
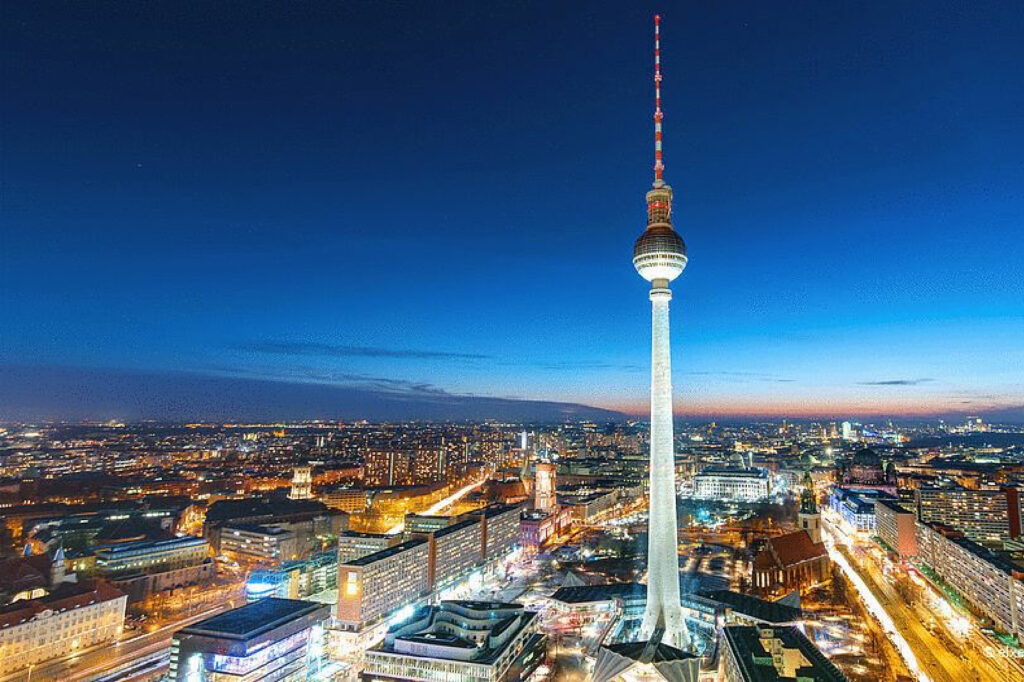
<point x="659" y="255"/>
<point x="810" y="519"/>
<point x="302" y="483"/>
<point x="544" y="487"/>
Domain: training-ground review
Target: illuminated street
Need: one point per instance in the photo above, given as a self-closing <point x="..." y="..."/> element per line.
<point x="931" y="651"/>
<point x="441" y="505"/>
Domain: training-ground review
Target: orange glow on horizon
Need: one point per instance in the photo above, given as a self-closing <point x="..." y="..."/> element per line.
<point x="824" y="409"/>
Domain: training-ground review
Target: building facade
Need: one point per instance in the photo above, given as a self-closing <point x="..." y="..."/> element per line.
<point x="354" y="545"/>
<point x="985" y="516"/>
<point x="71" y="618"/>
<point x="992" y="583"/>
<point x="150" y="555"/>
<point x="732" y="485"/>
<point x="455" y="552"/>
<point x="271" y="639"/>
<point x="373" y="587"/>
<point x="896" y="527"/>
<point x="345" y="499"/>
<point x="459" y="640"/>
<point x="259" y="545"/>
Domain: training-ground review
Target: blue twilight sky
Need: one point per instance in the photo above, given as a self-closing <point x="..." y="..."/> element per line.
<point x="416" y="201"/>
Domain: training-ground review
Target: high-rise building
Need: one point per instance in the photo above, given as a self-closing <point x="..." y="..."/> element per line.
<point x="990" y="582"/>
<point x="895" y="527"/>
<point x="374" y="586"/>
<point x="388" y="467"/>
<point x="302" y="483"/>
<point x="989" y="516"/>
<point x="659" y="256"/>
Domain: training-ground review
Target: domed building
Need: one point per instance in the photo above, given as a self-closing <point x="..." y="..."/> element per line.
<point x="866" y="469"/>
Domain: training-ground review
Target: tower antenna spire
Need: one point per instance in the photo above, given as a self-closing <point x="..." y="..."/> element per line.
<point x="659" y="167"/>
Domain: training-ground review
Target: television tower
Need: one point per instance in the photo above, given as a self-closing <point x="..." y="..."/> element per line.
<point x="659" y="255"/>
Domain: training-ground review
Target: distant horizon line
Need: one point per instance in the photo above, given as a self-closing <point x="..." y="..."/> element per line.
<point x="61" y="394"/>
<point x="626" y="419"/>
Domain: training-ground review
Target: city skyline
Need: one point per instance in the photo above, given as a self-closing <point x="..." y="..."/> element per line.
<point x="379" y="212"/>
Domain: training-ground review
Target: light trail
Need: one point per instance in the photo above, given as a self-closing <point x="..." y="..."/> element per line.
<point x="876" y="609"/>
<point x="438" y="506"/>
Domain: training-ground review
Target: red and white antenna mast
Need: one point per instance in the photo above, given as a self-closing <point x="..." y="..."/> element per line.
<point x="659" y="167"/>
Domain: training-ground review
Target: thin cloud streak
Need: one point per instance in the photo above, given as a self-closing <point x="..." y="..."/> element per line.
<point x="327" y="350"/>
<point x="896" y="382"/>
<point x="332" y="378"/>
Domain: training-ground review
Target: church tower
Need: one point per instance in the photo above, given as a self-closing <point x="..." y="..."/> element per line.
<point x="810" y="518"/>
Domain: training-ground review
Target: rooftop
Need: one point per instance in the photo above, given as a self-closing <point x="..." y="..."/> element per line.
<point x="257" y="529"/>
<point x="253" y="619"/>
<point x="758" y="665"/>
<point x="497" y="624"/>
<point x="386" y="553"/>
<point x="64" y="597"/>
<point x="767" y="611"/>
<point x="150" y="545"/>
<point x="893" y="505"/>
<point x="455" y="527"/>
<point x="734" y="472"/>
<point x="584" y="594"/>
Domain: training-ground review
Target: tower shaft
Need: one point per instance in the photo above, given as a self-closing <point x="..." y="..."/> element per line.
<point x="663" y="607"/>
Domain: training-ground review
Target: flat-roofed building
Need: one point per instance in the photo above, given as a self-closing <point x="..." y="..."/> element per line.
<point x="426" y="523"/>
<point x="353" y="545"/>
<point x="345" y="499"/>
<point x="454" y="552"/>
<point x="270" y="639"/>
<point x="259" y="545"/>
<point x="989" y="516"/>
<point x="373" y="587"/>
<point x="459" y="640"/>
<point x="536" y="529"/>
<point x="896" y="527"/>
<point x="587" y="505"/>
<point x="856" y="506"/>
<point x="991" y="582"/>
<point x="732" y="484"/>
<point x="758" y="653"/>
<point x="294" y="579"/>
<point x="146" y="556"/>
<point x="500" y="530"/>
<point x="74" y="616"/>
<point x="580" y="605"/>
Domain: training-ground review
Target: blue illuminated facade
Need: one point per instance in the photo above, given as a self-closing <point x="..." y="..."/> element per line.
<point x="280" y="640"/>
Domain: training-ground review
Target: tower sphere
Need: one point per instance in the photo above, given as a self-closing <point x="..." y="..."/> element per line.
<point x="659" y="253"/>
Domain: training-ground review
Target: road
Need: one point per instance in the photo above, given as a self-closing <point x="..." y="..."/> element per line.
<point x="107" y="657"/>
<point x="439" y="506"/>
<point x="936" y="653"/>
